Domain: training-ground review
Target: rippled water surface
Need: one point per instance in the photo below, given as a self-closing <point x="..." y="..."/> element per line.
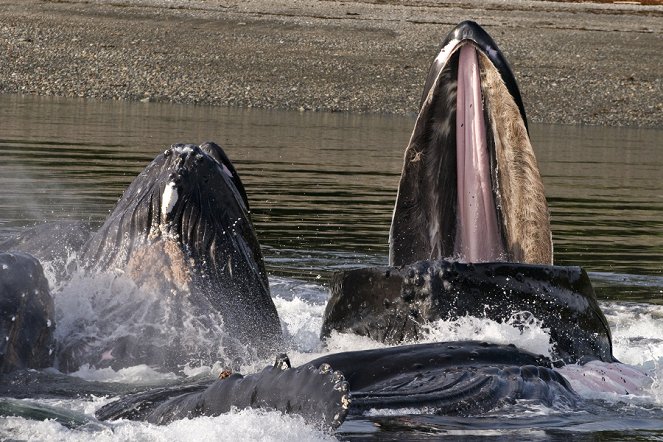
<point x="322" y="188"/>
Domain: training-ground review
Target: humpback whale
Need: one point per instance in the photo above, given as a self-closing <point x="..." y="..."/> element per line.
<point x="470" y="187"/>
<point x="449" y="377"/>
<point x="470" y="226"/>
<point x="182" y="235"/>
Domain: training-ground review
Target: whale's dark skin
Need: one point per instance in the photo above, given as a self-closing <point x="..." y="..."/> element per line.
<point x="453" y="378"/>
<point x="457" y="378"/>
<point x="463" y="377"/>
<point x="313" y="391"/>
<point x="26" y="314"/>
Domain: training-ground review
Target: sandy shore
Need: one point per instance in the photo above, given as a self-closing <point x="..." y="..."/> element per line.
<point x="576" y="63"/>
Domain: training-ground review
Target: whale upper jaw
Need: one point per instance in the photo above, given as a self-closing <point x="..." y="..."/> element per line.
<point x="470" y="32"/>
<point x="470" y="188"/>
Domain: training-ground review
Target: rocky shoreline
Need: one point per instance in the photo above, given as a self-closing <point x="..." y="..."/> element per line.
<point x="576" y="63"/>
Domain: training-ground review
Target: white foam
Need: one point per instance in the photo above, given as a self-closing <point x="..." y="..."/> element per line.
<point x="637" y="336"/>
<point x="93" y="313"/>
<point x="245" y="425"/>
<point x="301" y="322"/>
<point x="138" y="374"/>
<point x="637" y="332"/>
<point x="522" y="329"/>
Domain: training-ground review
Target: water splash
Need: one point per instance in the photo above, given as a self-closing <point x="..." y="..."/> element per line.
<point x="252" y="425"/>
<point x="106" y="320"/>
<point x="85" y="301"/>
<point x="522" y="329"/>
<point x="637" y="336"/>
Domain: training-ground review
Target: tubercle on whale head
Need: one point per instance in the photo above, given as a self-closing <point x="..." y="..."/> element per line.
<point x="469" y="158"/>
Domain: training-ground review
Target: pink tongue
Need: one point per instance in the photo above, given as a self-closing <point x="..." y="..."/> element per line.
<point x="477" y="235"/>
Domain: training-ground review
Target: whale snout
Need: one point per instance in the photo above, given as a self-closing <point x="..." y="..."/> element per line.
<point x="188" y="171"/>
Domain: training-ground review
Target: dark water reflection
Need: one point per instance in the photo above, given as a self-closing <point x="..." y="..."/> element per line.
<point x="322" y="186"/>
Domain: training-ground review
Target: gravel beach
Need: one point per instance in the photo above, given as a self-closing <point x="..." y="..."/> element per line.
<point x="576" y="63"/>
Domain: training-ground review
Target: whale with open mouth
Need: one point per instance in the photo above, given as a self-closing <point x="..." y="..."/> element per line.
<point x="470" y="232"/>
<point x="470" y="187"/>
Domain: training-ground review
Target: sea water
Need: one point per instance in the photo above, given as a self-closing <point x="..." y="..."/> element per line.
<point x="637" y="334"/>
<point x="321" y="189"/>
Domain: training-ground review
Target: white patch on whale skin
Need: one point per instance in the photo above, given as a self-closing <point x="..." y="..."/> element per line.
<point x="446" y="51"/>
<point x="434" y="237"/>
<point x="227" y="171"/>
<point x="183" y="149"/>
<point x="168" y="199"/>
<point x="491" y="52"/>
<point x="107" y="355"/>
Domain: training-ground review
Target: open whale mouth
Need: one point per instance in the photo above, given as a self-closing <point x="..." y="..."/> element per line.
<point x="470" y="187"/>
